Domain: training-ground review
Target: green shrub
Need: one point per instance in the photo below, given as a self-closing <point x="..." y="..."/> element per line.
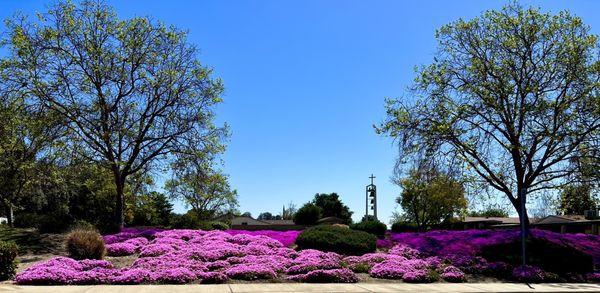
<point x="308" y="214"/>
<point x="54" y="223"/>
<point x="8" y="264"/>
<point x="374" y="227"/>
<point x="404" y="227"/>
<point x="337" y="239"/>
<point x="216" y="225"/>
<point x="27" y="220"/>
<point x="188" y="220"/>
<point x="83" y="225"/>
<point x="85" y="244"/>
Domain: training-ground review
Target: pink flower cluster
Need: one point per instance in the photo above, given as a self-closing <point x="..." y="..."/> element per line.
<point x="528" y="274"/>
<point x="186" y="256"/>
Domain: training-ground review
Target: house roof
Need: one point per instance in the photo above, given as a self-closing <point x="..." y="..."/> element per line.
<point x="252" y="221"/>
<point x="499" y="220"/>
<point x="561" y="219"/>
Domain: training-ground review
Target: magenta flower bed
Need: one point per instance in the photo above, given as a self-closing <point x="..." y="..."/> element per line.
<point x="470" y="242"/>
<point x="195" y="256"/>
<point x="287" y="238"/>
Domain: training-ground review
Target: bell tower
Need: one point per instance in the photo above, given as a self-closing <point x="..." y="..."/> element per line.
<point x="371" y="199"/>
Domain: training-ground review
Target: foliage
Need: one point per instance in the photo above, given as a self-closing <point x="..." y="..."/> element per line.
<point x="490" y="212"/>
<point x="336" y="239"/>
<point x="200" y="186"/>
<point x="510" y="96"/>
<point x="85" y="244"/>
<point x="216" y="225"/>
<point x="152" y="209"/>
<point x="127" y="101"/>
<point x="56" y="223"/>
<point x="429" y="197"/>
<point x="575" y="199"/>
<point x="189" y="220"/>
<point x="289" y="212"/>
<point x="332" y="206"/>
<point x="265" y="216"/>
<point x="404" y="227"/>
<point x="308" y="214"/>
<point x="374" y="227"/>
<point x="27" y="135"/>
<point x="8" y="263"/>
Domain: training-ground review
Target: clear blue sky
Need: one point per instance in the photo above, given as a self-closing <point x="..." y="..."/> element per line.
<point x="305" y="81"/>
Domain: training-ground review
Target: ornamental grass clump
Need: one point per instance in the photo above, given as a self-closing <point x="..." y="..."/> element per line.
<point x="8" y="255"/>
<point x="85" y="244"/>
<point x="337" y="239"/>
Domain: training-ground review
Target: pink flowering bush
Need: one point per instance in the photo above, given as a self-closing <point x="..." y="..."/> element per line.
<point x="453" y="274"/>
<point x="326" y="276"/>
<point x="195" y="256"/>
<point x="528" y="274"/>
<point x="250" y="272"/>
<point x="120" y="249"/>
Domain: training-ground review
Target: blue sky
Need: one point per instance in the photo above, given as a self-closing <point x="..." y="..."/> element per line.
<point x="305" y="82"/>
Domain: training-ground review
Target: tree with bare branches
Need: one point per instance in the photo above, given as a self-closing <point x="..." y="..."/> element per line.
<point x="133" y="91"/>
<point x="514" y="94"/>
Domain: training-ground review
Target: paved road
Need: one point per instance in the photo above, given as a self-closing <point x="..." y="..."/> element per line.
<point x="297" y="287"/>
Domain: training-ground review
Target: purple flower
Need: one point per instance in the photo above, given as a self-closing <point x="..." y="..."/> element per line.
<point x="250" y="272"/>
<point x="453" y="274"/>
<point x="326" y="276"/>
<point x="528" y="274"/>
<point x="120" y="249"/>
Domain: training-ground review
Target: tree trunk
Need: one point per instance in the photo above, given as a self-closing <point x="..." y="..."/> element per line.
<point x="520" y="205"/>
<point x="9" y="215"/>
<point x="120" y="200"/>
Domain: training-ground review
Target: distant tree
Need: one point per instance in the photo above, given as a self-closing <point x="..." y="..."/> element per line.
<point x="246" y="214"/>
<point x="490" y="212"/>
<point x="367" y="218"/>
<point x="576" y="198"/>
<point x="27" y="134"/>
<point x="132" y="91"/>
<point x="512" y="94"/>
<point x="429" y="197"/>
<point x="308" y="214"/>
<point x="265" y="216"/>
<point x="204" y="189"/>
<point x="288" y="213"/>
<point x="332" y="206"/>
<point x="152" y="209"/>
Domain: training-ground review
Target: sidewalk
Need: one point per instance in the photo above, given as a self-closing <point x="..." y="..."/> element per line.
<point x="298" y="287"/>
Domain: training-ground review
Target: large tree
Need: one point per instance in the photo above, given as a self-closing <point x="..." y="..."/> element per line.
<point x="199" y="183"/>
<point x="332" y="206"/>
<point x="513" y="93"/>
<point x="429" y="197"/>
<point x="133" y="91"/>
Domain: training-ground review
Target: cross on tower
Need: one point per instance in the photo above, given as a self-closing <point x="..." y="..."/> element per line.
<point x="372" y="177"/>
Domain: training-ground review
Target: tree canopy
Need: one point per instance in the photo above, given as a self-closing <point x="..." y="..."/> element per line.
<point x="429" y="197"/>
<point x="132" y="91"/>
<point x="513" y="95"/>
